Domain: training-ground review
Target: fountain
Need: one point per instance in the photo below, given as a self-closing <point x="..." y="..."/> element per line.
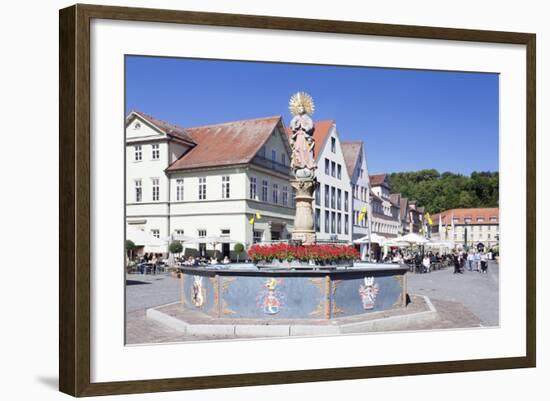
<point x="300" y="279"/>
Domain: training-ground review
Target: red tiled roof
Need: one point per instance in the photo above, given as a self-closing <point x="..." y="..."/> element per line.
<point x="169" y="129"/>
<point x="377" y="180"/>
<point x="226" y="144"/>
<point x="473" y="213"/>
<point x="320" y="133"/>
<point x="351" y="151"/>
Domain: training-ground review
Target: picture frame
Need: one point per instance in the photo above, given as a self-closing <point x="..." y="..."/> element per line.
<point x="75" y="201"/>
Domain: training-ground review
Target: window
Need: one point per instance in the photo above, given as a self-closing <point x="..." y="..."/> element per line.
<point x="283" y="159"/>
<point x="155" y="151"/>
<point x="179" y="189"/>
<point x="346" y="200"/>
<point x="339" y="223"/>
<point x="480" y="219"/>
<point x="156" y="189"/>
<point x="257" y="236"/>
<point x="318" y="196"/>
<point x="225" y="187"/>
<point x="275" y="193"/>
<point x="201" y="232"/>
<point x="179" y="232"/>
<point x="333" y="144"/>
<point x="285" y="195"/>
<point x="252" y="187"/>
<point x="137" y="153"/>
<point x="293" y="198"/>
<point x="333" y="169"/>
<point x="327" y="194"/>
<point x="339" y="172"/>
<point x="264" y="190"/>
<point x="346" y="224"/>
<point x="332" y="222"/>
<point x="202" y="188"/>
<point x="155" y="233"/>
<point x="262" y="152"/>
<point x="317" y="219"/>
<point x="467" y="220"/>
<point x="327" y="221"/>
<point x="493" y="219"/>
<point x="333" y="197"/>
<point x="138" y="190"/>
<point x="339" y="199"/>
<point x="273" y="158"/>
<point x="327" y="166"/>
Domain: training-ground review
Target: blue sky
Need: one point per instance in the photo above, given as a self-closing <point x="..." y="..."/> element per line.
<point x="408" y="119"/>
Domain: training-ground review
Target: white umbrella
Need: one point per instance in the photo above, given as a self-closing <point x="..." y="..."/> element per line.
<point x="441" y="244"/>
<point x="374" y="238"/>
<point x="142" y="238"/>
<point x="412" y="238"/>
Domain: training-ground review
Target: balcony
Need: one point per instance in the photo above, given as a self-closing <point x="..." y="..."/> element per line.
<point x="271" y="165"/>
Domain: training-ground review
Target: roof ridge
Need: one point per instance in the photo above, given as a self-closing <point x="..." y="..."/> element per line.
<point x="235" y="121"/>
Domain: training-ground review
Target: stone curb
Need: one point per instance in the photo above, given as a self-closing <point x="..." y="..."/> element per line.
<point x="286" y="330"/>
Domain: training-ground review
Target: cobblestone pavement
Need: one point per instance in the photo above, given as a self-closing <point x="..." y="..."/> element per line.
<point x="477" y="292"/>
<point x="146" y="291"/>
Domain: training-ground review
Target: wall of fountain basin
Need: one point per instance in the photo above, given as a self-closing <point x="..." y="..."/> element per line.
<point x="244" y="291"/>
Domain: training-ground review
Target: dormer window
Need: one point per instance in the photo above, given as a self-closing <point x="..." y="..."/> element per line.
<point x="137" y="126"/>
<point x="333" y="144"/>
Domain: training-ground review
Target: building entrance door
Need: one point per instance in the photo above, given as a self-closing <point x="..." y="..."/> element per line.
<point x="225" y="250"/>
<point x="275" y="235"/>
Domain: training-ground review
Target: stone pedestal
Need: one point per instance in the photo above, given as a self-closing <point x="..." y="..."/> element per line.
<point x="304" y="229"/>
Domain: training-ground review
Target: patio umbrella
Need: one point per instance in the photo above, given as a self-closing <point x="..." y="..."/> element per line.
<point x="142" y="238"/>
<point x="412" y="239"/>
<point x="440" y="244"/>
<point x="374" y="238"/>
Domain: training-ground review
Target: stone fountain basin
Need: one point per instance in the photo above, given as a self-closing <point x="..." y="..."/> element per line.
<point x="245" y="291"/>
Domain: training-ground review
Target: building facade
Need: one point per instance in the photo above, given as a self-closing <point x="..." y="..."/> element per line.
<point x="332" y="205"/>
<point x="467" y="227"/>
<point x="209" y="181"/>
<point x="385" y="212"/>
<point x="356" y="164"/>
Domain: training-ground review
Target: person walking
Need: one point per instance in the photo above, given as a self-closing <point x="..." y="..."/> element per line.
<point x="477" y="260"/>
<point x="484" y="263"/>
<point x="470" y="261"/>
<point x="456" y="262"/>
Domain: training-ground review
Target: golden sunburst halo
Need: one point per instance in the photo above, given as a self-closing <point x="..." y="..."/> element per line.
<point x="301" y="99"/>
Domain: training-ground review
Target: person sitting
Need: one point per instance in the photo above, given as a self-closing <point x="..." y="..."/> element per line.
<point x="226" y="260"/>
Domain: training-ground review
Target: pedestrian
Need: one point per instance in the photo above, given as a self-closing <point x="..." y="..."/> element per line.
<point x="456" y="262"/>
<point x="477" y="260"/>
<point x="484" y="263"/>
<point x="470" y="260"/>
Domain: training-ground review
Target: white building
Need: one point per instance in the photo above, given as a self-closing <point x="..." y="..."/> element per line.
<point x="385" y="213"/>
<point x="332" y="205"/>
<point x="356" y="164"/>
<point x="469" y="227"/>
<point x="209" y="181"/>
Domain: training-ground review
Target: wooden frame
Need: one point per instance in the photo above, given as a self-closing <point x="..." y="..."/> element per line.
<point x="74" y="200"/>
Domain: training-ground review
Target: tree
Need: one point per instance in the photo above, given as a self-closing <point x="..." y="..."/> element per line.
<point x="238" y="248"/>
<point x="438" y="192"/>
<point x="130" y="246"/>
<point x="175" y="247"/>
